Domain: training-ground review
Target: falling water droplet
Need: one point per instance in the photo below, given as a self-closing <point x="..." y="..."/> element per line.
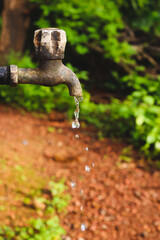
<point x="73" y="185"/>
<point x="81" y="208"/>
<point x="81" y="192"/>
<point x="92" y="164"/>
<point x="25" y="142"/>
<point x="87" y="168"/>
<point x="76" y="136"/>
<point x="83" y="227"/>
<point x="75" y="123"/>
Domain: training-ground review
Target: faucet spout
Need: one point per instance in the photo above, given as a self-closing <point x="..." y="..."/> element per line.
<point x="51" y="73"/>
<point x="73" y="83"/>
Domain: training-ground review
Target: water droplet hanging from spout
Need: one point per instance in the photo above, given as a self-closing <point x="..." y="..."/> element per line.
<point x="75" y="123"/>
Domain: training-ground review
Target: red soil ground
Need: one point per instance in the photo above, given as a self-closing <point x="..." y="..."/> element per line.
<point x="121" y="200"/>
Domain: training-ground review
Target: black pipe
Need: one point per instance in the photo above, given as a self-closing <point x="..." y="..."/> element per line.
<point x="4" y="75"/>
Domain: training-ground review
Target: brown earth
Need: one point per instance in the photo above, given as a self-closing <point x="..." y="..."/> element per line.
<point x="121" y="196"/>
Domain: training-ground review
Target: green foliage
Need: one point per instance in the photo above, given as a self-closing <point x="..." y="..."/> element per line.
<point x="88" y="26"/>
<point x="51" y="129"/>
<point x="60" y="199"/>
<point x="142" y="14"/>
<point x="38" y="229"/>
<point x="22" y="61"/>
<point x="136" y="121"/>
<point x="57" y="199"/>
<point x="42" y="229"/>
<point x="126" y="155"/>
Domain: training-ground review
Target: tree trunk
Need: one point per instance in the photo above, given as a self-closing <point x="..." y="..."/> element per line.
<point x="15" y="24"/>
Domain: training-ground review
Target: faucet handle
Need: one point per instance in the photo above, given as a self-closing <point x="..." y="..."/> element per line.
<point x="50" y="43"/>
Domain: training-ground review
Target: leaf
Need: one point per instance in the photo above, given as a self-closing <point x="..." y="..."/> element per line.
<point x="157" y="146"/>
<point x="149" y="100"/>
<point x="150" y="139"/>
<point x="81" y="49"/>
<point x="140" y="120"/>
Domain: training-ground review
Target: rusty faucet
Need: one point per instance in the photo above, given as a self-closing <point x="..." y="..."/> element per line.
<point x="49" y="48"/>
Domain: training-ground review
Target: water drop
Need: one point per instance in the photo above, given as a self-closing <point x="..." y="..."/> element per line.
<point x="87" y="168"/>
<point x="81" y="208"/>
<point x="76" y="136"/>
<point x="25" y="142"/>
<point x="81" y="192"/>
<point x="87" y="149"/>
<point x="92" y="164"/>
<point x="73" y="184"/>
<point x="76" y="123"/>
<point x="83" y="227"/>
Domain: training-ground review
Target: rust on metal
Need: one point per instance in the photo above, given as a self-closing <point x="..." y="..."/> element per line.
<point x="50" y="43"/>
<point x="51" y="73"/>
<point x="13" y="75"/>
<point x="49" y="47"/>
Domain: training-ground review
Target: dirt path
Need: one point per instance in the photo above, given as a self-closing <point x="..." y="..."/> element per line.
<point x="121" y="200"/>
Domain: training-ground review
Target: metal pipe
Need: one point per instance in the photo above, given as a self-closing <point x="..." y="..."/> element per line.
<point x="4" y="76"/>
<point x="50" y="73"/>
<point x="49" y="46"/>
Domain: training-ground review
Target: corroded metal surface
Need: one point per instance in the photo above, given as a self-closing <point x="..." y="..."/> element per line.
<point x="50" y="43"/>
<point x="51" y="73"/>
<point x="50" y="46"/>
<point x="13" y="75"/>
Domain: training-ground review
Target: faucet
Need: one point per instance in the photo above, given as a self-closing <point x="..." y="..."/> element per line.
<point x="49" y="48"/>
